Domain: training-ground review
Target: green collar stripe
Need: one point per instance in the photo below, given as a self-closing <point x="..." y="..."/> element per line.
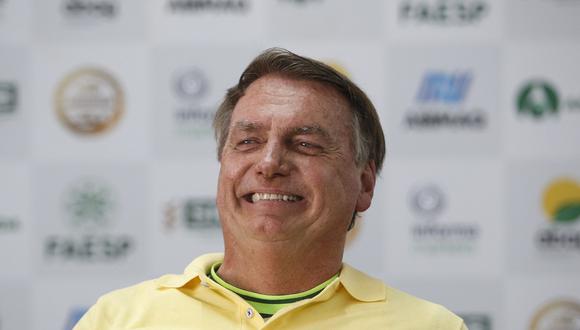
<point x="267" y="308"/>
<point x="275" y="300"/>
<point x="267" y="305"/>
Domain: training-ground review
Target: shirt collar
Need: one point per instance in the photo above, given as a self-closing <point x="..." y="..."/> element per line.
<point x="359" y="285"/>
<point x="196" y="269"/>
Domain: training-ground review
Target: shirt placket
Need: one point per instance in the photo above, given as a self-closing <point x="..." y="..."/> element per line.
<point x="248" y="317"/>
<point x="286" y="311"/>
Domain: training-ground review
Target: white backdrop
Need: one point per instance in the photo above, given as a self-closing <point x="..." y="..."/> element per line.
<point x="107" y="160"/>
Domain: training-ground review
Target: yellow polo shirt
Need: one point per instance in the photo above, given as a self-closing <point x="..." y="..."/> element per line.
<point x="193" y="301"/>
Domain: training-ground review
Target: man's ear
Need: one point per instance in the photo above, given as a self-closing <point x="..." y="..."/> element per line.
<point x="367" y="179"/>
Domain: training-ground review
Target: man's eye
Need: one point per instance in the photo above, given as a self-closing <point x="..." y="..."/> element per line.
<point x="309" y="148"/>
<point x="246" y="144"/>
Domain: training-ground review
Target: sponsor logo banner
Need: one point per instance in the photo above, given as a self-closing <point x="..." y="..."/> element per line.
<point x="213" y="6"/>
<point x="431" y="235"/>
<point x="193" y="213"/>
<point x="90" y="207"/>
<point x="74" y="316"/>
<point x="561" y="206"/>
<point x="477" y="321"/>
<point x="443" y="12"/>
<point x="191" y="116"/>
<point x="540" y="98"/>
<point x="301" y="2"/>
<point x="558" y="314"/>
<point x="90" y="12"/>
<point x="89" y="101"/>
<point x="439" y="103"/>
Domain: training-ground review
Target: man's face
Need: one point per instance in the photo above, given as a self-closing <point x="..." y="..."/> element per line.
<point x="287" y="167"/>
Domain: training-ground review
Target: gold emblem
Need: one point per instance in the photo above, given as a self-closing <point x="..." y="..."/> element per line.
<point x="89" y="101"/>
<point x="557" y="315"/>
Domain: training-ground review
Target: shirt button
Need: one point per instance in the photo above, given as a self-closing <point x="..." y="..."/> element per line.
<point x="249" y="313"/>
<point x="204" y="284"/>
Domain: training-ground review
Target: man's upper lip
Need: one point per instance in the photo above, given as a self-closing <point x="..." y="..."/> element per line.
<point x="269" y="191"/>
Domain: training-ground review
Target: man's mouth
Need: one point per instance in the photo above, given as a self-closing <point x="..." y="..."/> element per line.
<point x="256" y="197"/>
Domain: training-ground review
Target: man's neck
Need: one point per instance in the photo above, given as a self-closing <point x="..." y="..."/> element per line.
<point x="278" y="268"/>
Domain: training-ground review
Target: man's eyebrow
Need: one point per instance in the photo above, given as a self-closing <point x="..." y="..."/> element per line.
<point x="310" y="130"/>
<point x="248" y="126"/>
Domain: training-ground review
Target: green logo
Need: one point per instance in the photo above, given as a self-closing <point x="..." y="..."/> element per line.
<point x="193" y="213"/>
<point x="538" y="98"/>
<point x="90" y="203"/>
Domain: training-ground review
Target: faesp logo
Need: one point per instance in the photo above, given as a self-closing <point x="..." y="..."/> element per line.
<point x="439" y="103"/>
<point x="555" y="315"/>
<point x="191" y="117"/>
<point x="191" y="214"/>
<point x="8" y="98"/>
<point x="90" y="206"/>
<point x="443" y="12"/>
<point x="561" y="204"/>
<point x="432" y="236"/>
<point x="89" y="101"/>
<point x="196" y="6"/>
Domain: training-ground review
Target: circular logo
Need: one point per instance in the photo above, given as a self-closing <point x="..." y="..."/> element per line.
<point x="538" y="98"/>
<point x="89" y="203"/>
<point x="428" y="200"/>
<point x="561" y="200"/>
<point x="89" y="101"/>
<point x="557" y="315"/>
<point x="191" y="83"/>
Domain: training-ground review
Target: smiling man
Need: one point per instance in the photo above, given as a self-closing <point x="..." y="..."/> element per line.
<point x="300" y="146"/>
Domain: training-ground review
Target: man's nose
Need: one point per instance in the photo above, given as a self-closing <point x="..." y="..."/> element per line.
<point x="273" y="161"/>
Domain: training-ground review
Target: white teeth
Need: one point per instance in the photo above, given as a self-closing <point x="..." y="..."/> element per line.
<point x="272" y="197"/>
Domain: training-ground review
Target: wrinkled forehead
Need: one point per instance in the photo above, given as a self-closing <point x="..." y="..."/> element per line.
<point x="298" y="105"/>
<point x="312" y="129"/>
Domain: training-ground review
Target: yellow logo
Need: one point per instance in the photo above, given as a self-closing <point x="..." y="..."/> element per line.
<point x="561" y="200"/>
<point x="560" y="314"/>
<point x="89" y="101"/>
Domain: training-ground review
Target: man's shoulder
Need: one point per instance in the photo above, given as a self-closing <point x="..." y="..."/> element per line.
<point x="399" y="306"/>
<point x="410" y="307"/>
<point x="160" y="286"/>
<point x="127" y="294"/>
